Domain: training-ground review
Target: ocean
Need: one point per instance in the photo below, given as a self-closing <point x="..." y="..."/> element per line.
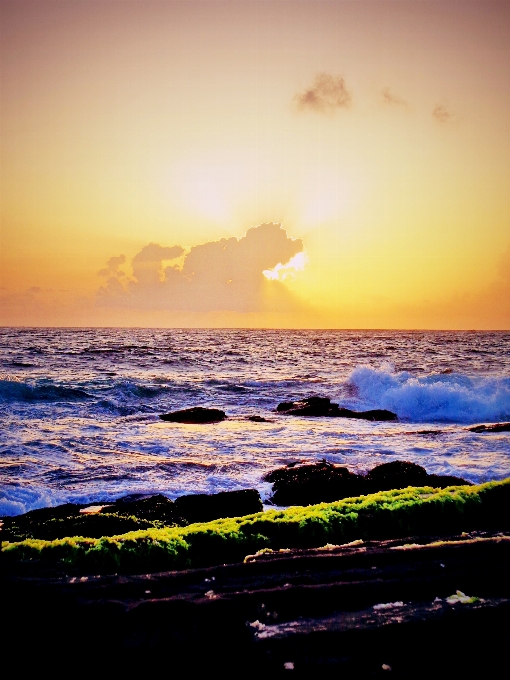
<point x="80" y="407"/>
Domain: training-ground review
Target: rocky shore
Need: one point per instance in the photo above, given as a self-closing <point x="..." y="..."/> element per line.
<point x="417" y="607"/>
<point x="410" y="582"/>
<point x="296" y="484"/>
<point x="394" y="572"/>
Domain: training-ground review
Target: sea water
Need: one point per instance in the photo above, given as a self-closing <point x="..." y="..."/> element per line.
<point x="80" y="407"/>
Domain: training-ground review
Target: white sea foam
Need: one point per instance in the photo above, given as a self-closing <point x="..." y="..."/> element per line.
<point x="451" y="398"/>
<point x="15" y="500"/>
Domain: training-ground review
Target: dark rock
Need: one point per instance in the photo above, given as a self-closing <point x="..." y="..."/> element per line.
<point x="287" y="405"/>
<point x="374" y="414"/>
<point x="426" y="432"/>
<point x="258" y="419"/>
<point x="322" y="407"/>
<point x="328" y="623"/>
<point x="442" y="481"/>
<point x="314" y="483"/>
<point x="396" y="475"/>
<point x="497" y="427"/>
<point x="206" y="507"/>
<point x="155" y="508"/>
<point x="24" y="526"/>
<point x="130" y="513"/>
<point x="197" y="414"/>
<point x="89" y="525"/>
<point x="307" y="484"/>
<point x="399" y="474"/>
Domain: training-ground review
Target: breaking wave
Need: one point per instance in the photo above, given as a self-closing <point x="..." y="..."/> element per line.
<point x="14" y="390"/>
<point x="453" y="398"/>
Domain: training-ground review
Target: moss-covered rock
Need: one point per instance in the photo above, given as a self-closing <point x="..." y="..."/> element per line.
<point x="390" y="514"/>
<point x="324" y="482"/>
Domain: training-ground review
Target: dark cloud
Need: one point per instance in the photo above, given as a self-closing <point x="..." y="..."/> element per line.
<point x="442" y="114"/>
<point x="392" y="99"/>
<point x="328" y="94"/>
<point x="218" y="275"/>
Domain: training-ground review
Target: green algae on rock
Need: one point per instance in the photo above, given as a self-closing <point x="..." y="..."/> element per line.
<point x="390" y="514"/>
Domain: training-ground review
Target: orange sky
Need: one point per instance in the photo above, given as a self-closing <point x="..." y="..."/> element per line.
<point x="377" y="134"/>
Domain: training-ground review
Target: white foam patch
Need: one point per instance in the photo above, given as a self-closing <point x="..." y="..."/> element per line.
<point x="454" y="398"/>
<point x="16" y="500"/>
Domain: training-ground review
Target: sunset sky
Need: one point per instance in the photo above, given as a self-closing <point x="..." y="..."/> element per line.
<point x="376" y="133"/>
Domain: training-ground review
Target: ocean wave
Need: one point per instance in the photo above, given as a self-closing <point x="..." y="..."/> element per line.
<point x="14" y="390"/>
<point x="16" y="500"/>
<point x="453" y="397"/>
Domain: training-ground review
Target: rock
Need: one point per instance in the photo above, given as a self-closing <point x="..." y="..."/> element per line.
<point x="319" y="609"/>
<point x="432" y="433"/>
<point x="24" y="526"/>
<point x="310" y="483"/>
<point x="322" y="407"/>
<point x="206" y="507"/>
<point x="129" y="513"/>
<point x="59" y="526"/>
<point x="399" y="474"/>
<point x="497" y="427"/>
<point x="396" y="475"/>
<point x="442" y="481"/>
<point x="313" y="483"/>
<point x="312" y="406"/>
<point x="197" y="414"/>
<point x="258" y="419"/>
<point x="155" y="508"/>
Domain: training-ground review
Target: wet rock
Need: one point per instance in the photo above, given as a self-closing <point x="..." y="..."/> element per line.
<point x="207" y="507"/>
<point x="396" y="475"/>
<point x="20" y="527"/>
<point x="50" y="528"/>
<point x="258" y="419"/>
<point x="442" y="481"/>
<point x="154" y="508"/>
<point x="129" y="513"/>
<point x="323" y="407"/>
<point x="313" y="483"/>
<point x="310" y="483"/>
<point x="399" y="474"/>
<point x="497" y="427"/>
<point x="431" y="433"/>
<point x="197" y="414"/>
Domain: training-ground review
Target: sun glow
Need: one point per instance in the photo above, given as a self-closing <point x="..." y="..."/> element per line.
<point x="287" y="271"/>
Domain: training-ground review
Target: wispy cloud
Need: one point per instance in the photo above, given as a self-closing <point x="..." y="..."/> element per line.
<point x="442" y="114"/>
<point x="327" y="95"/>
<point x="392" y="99"/>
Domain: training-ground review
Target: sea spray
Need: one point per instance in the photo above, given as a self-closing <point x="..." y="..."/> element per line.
<point x="448" y="398"/>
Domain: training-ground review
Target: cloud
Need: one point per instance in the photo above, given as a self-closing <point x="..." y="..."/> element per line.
<point x="112" y="266"/>
<point x="219" y="275"/>
<point x="392" y="99"/>
<point x="442" y="114"/>
<point x="328" y="94"/>
<point x="147" y="264"/>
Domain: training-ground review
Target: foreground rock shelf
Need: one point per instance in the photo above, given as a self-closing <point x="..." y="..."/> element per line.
<point x="356" y="611"/>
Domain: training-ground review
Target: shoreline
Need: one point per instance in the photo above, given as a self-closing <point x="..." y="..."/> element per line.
<point x="438" y="607"/>
<point x="412" y="581"/>
<point x="411" y="511"/>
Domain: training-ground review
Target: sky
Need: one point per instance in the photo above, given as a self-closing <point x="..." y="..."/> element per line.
<point x="247" y="163"/>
